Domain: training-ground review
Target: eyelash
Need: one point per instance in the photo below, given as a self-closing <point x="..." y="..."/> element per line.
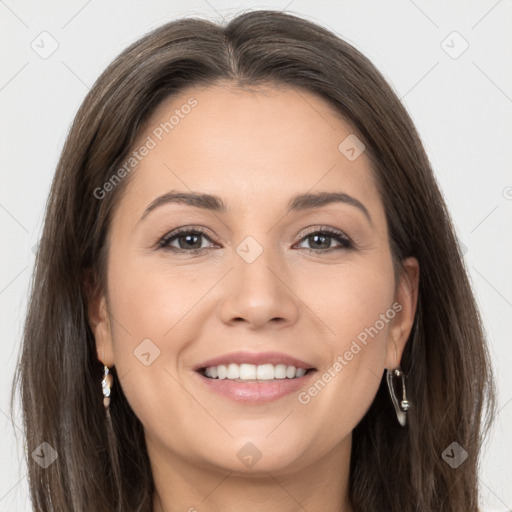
<point x="344" y="240"/>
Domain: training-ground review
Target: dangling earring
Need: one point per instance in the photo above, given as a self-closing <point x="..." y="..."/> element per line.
<point x="106" y="384"/>
<point x="402" y="406"/>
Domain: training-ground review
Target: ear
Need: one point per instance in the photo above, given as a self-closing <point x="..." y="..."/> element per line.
<point x="406" y="299"/>
<point x="99" y="318"/>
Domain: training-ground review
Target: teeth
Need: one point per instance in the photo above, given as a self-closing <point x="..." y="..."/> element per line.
<point x="247" y="371"/>
<point x="252" y="372"/>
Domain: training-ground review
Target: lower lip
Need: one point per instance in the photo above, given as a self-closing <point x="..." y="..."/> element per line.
<point x="256" y="392"/>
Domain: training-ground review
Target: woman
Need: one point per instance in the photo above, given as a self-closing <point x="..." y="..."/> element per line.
<point x="248" y="293"/>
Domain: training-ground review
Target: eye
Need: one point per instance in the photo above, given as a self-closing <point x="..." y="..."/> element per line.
<point x="321" y="239"/>
<point x="189" y="240"/>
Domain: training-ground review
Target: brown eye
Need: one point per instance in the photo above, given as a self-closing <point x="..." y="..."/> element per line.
<point x="320" y="241"/>
<point x="189" y="240"/>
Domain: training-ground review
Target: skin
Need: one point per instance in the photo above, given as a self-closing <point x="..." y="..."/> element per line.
<point x="255" y="149"/>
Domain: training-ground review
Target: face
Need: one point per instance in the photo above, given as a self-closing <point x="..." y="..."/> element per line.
<point x="271" y="272"/>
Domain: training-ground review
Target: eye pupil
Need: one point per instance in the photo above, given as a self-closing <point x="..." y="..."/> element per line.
<point x="188" y="238"/>
<point x="323" y="237"/>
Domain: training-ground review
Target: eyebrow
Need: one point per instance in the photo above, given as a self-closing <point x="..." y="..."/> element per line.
<point x="297" y="203"/>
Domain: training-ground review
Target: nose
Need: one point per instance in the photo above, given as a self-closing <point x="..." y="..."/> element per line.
<point x="259" y="290"/>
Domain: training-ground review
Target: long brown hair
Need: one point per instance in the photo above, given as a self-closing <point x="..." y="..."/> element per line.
<point x="449" y="377"/>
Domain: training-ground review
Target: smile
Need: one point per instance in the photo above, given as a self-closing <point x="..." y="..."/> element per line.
<point x="254" y="373"/>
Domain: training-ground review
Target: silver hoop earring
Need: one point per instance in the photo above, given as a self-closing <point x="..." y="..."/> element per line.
<point x="106" y="385"/>
<point x="402" y="406"/>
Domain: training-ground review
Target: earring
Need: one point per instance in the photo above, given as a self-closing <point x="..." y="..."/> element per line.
<point x="106" y="384"/>
<point x="402" y="407"/>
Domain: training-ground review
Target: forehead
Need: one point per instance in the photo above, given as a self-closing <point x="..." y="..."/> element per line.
<point x="250" y="146"/>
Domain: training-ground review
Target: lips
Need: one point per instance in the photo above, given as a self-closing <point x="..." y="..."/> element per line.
<point x="255" y="358"/>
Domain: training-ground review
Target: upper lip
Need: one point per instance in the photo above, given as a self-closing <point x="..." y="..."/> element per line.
<point x="256" y="358"/>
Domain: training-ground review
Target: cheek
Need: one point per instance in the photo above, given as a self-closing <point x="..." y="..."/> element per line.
<point x="150" y="298"/>
<point x="350" y="300"/>
<point x="153" y="322"/>
<point x="355" y="306"/>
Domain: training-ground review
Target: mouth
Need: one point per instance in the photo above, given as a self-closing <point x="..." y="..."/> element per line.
<point x="250" y="373"/>
<point x="224" y="381"/>
<point x="254" y="377"/>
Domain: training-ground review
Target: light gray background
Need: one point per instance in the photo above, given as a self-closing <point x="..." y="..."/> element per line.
<point x="462" y="107"/>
